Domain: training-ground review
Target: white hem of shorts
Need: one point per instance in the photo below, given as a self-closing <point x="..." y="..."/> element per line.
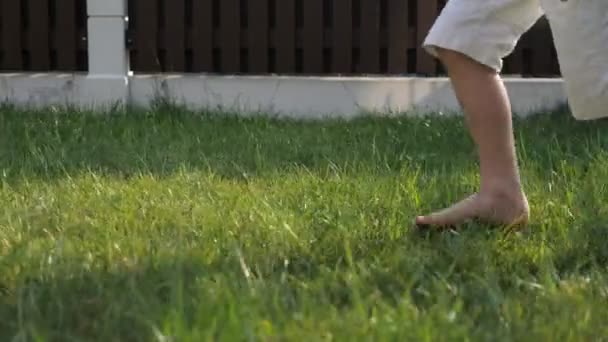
<point x="431" y="48"/>
<point x="438" y="38"/>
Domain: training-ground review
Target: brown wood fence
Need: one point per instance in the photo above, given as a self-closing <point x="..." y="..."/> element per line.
<point x="43" y="35"/>
<point x="302" y="36"/>
<point x="250" y="37"/>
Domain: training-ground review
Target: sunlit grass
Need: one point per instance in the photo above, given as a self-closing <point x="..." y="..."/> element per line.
<point x="179" y="226"/>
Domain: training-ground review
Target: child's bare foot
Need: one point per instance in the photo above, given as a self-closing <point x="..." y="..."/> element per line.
<point x="494" y="208"/>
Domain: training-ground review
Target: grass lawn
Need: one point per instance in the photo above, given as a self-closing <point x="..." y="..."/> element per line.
<point x="174" y="226"/>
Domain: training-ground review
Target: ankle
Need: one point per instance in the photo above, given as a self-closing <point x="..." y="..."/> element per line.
<point x="505" y="190"/>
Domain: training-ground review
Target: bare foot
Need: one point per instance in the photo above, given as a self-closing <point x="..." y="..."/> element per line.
<point x="500" y="209"/>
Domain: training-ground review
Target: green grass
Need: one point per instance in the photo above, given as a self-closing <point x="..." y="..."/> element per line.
<point x="175" y="226"/>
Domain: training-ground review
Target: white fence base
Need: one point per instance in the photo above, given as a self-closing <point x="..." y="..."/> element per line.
<point x="107" y="84"/>
<point x="296" y="97"/>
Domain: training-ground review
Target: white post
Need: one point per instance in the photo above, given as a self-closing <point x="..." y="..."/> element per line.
<point x="107" y="81"/>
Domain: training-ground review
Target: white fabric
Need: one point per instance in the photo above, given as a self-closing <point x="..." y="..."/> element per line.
<point x="488" y="31"/>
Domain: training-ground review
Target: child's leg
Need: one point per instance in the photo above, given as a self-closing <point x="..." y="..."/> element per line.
<point x="471" y="37"/>
<point x="488" y="115"/>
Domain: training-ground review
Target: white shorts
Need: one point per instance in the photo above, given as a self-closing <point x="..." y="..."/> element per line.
<point x="488" y="30"/>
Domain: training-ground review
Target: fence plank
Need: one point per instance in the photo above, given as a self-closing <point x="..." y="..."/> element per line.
<point x="175" y="47"/>
<point x="38" y="35"/>
<point x="285" y="36"/>
<point x="11" y="34"/>
<point x="427" y="13"/>
<point x="82" y="60"/>
<point x="146" y="30"/>
<point x="202" y="36"/>
<point x="514" y="62"/>
<point x="66" y="35"/>
<point x="542" y="41"/>
<point x="554" y="67"/>
<point x="369" y="33"/>
<point x="397" y="36"/>
<point x="230" y="35"/>
<point x="342" y="36"/>
<point x="312" y="37"/>
<point x="258" y="35"/>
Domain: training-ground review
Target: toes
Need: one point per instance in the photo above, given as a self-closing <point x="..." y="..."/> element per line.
<point x="426" y="222"/>
<point x="422" y="220"/>
<point x="452" y="216"/>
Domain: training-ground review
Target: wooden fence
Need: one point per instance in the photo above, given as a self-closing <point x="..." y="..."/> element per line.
<point x="302" y="36"/>
<point x="43" y="35"/>
<point x="250" y="37"/>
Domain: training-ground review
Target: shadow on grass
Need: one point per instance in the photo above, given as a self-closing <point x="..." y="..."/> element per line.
<point x="54" y="143"/>
<point x="127" y="304"/>
<point x="187" y="295"/>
